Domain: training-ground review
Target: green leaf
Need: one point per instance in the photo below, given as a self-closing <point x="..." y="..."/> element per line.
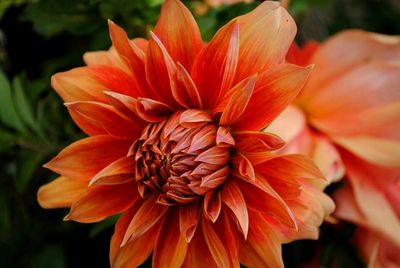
<point x="28" y="162"/>
<point x="8" y="112"/>
<point x="23" y="107"/>
<point x="154" y="3"/>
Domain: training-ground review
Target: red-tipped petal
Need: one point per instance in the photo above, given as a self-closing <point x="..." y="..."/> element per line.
<point x="160" y="71"/>
<point x="238" y="102"/>
<point x="216" y="246"/>
<point x="216" y="155"/>
<point x="179" y="32"/>
<point x="194" y="118"/>
<point x="104" y="117"/>
<point x="273" y="92"/>
<point x="258" y="52"/>
<point x="243" y="167"/>
<point x="170" y="247"/>
<point x="253" y="141"/>
<point x="188" y="219"/>
<point x="134" y="253"/>
<point x="184" y="90"/>
<point x="146" y="217"/>
<point x="224" y="137"/>
<point x="85" y="158"/>
<point x="212" y="205"/>
<point x="61" y="192"/>
<point x="119" y="171"/>
<point x="101" y="202"/>
<point x="131" y="54"/>
<point x="152" y="111"/>
<point x="215" y="67"/>
<point x="232" y="196"/>
<point x="263" y="247"/>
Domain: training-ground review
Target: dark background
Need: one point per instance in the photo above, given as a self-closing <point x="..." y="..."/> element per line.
<point x="41" y="37"/>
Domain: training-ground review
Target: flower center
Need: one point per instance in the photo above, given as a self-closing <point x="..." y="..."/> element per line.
<point x="180" y="161"/>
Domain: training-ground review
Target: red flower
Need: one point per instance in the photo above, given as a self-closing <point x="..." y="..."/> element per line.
<point x="175" y="144"/>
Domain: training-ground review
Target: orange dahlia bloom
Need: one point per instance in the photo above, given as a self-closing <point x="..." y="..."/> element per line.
<point x="175" y="144"/>
<point x="347" y="118"/>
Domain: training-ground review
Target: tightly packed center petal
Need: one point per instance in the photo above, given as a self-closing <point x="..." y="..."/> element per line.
<point x="180" y="161"/>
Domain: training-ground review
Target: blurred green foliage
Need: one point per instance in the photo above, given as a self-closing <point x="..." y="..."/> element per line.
<point x="41" y="37"/>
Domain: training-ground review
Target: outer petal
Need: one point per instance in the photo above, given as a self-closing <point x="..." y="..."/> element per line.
<point x="134" y="253"/>
<point x="170" y="248"/>
<point x="349" y="49"/>
<point x="263" y="247"/>
<point x="232" y="196"/>
<point x="60" y="193"/>
<point x="179" y="32"/>
<point x="273" y="92"/>
<point x="368" y="106"/>
<point x="375" y="210"/>
<point x="119" y="171"/>
<point x="133" y="56"/>
<point x="149" y="214"/>
<point x="85" y="158"/>
<point x="258" y="52"/>
<point x="104" y="118"/>
<point x="215" y="67"/>
<point x="100" y="202"/>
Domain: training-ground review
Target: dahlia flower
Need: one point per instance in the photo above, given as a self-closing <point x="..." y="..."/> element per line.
<point x="175" y="144"/>
<point x="347" y="118"/>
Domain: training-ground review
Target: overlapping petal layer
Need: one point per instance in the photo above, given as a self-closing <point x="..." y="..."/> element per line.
<point x="175" y="144"/>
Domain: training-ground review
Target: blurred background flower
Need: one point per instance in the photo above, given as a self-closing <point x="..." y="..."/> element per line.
<point x="41" y="37"/>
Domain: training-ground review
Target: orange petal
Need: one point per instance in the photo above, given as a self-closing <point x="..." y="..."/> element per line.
<point x="149" y="214"/>
<point x="119" y="171"/>
<point x="194" y="118"/>
<point x="273" y="92"/>
<point x="188" y="219"/>
<point x="212" y="205"/>
<point x="215" y="179"/>
<point x="101" y="202"/>
<point x="289" y="124"/>
<point x="378" y="151"/>
<point x="232" y="196"/>
<point x="184" y="90"/>
<point x="255" y="141"/>
<point x="127" y="106"/>
<point x="263" y="247"/>
<point x="238" y="102"/>
<point x="90" y="114"/>
<point x="371" y="198"/>
<point x="221" y="244"/>
<point x="258" y="52"/>
<point x="243" y="167"/>
<point x="179" y="32"/>
<point x="198" y="255"/>
<point x="78" y="85"/>
<point x="134" y="253"/>
<point x="216" y="155"/>
<point x="151" y="110"/>
<point x="109" y="57"/>
<point x="376" y="89"/>
<point x="215" y="67"/>
<point x="113" y="79"/>
<point x="132" y="55"/>
<point x="160" y="71"/>
<point x="224" y="137"/>
<point x="170" y="248"/>
<point x="85" y="158"/>
<point x="262" y="197"/>
<point x="348" y="49"/>
<point x="60" y="193"/>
